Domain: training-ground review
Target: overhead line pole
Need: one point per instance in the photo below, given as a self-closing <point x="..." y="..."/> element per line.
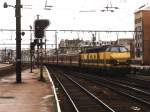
<point x="38" y="46"/>
<point x="18" y="41"/>
<point x="56" y="46"/>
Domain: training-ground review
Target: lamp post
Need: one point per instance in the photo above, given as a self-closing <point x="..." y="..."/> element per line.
<point x="18" y="38"/>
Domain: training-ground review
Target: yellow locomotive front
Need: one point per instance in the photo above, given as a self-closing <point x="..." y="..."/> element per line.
<point x="116" y="55"/>
<point x="117" y="59"/>
<point x="112" y="58"/>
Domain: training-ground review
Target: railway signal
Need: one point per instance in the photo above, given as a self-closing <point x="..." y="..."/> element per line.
<point x="40" y="25"/>
<point x="32" y="48"/>
<point x="32" y="45"/>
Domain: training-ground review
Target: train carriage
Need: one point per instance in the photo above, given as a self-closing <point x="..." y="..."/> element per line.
<point x="111" y="58"/>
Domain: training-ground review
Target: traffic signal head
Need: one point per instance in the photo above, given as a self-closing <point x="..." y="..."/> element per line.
<point x="39" y="27"/>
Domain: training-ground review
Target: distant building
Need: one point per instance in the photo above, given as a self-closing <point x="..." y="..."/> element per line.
<point x="142" y="39"/>
<point x="70" y="46"/>
<point x="75" y="46"/>
<point x="6" y="55"/>
<point x="126" y="42"/>
<point x="25" y="57"/>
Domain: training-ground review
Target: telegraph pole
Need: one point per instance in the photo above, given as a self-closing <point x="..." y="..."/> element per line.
<point x="38" y="44"/>
<point x="18" y="41"/>
<point x="31" y="52"/>
<point x="56" y="46"/>
<point x="45" y="47"/>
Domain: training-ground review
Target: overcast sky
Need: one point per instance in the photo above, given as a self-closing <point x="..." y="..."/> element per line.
<point x="68" y="15"/>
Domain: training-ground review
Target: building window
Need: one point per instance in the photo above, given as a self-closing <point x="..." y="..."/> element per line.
<point x="138" y="52"/>
<point x="138" y="20"/>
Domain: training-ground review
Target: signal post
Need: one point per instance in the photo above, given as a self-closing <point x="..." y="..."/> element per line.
<point x="39" y="26"/>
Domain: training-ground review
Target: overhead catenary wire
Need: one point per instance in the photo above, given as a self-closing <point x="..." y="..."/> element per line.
<point x="2" y="30"/>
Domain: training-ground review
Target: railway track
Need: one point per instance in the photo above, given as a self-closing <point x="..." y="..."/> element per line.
<point x="81" y="99"/>
<point x="7" y="70"/>
<point x="112" y="96"/>
<point x="10" y="69"/>
<point x="131" y="81"/>
<point x="127" y="90"/>
<point x="134" y="83"/>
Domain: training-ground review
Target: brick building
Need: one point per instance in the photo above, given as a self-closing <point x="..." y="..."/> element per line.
<point x="142" y="39"/>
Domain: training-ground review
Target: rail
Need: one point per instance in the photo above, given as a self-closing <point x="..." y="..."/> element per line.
<point x="64" y="80"/>
<point x="98" y="80"/>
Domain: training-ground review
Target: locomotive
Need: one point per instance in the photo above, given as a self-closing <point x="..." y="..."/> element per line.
<point x="109" y="58"/>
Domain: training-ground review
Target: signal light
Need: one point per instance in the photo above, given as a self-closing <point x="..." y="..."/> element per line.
<point x="39" y="27"/>
<point x="5" y="5"/>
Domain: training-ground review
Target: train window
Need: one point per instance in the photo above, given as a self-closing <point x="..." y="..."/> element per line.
<point x="123" y="49"/>
<point x="114" y="49"/>
<point x="108" y="49"/>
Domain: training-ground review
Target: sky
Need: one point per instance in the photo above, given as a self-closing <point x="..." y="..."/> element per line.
<point x="69" y="15"/>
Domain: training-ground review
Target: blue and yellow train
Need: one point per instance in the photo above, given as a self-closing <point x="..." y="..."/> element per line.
<point x="109" y="58"/>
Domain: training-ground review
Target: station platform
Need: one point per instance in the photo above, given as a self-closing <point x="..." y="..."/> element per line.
<point x="31" y="95"/>
<point x="5" y="65"/>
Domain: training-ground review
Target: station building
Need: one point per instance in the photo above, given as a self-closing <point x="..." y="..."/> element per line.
<point x="142" y="36"/>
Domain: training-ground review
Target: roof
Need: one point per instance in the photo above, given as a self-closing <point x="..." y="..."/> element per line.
<point x="145" y="9"/>
<point x="100" y="49"/>
<point x="96" y="49"/>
